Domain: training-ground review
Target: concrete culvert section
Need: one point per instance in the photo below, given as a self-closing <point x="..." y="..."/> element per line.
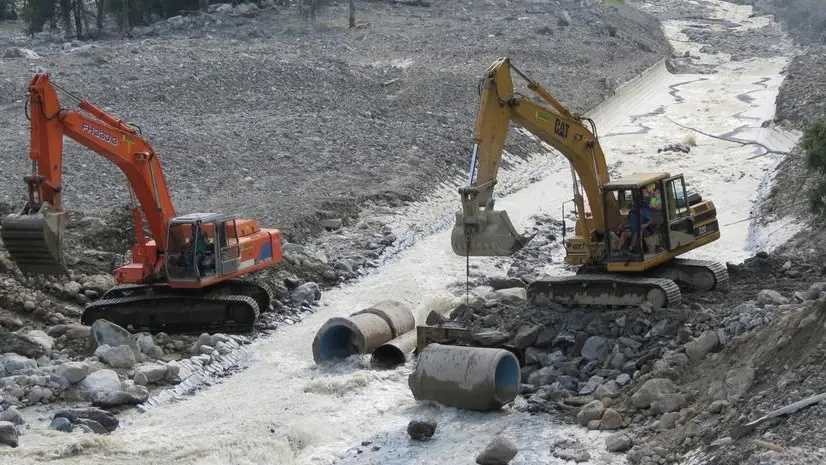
<point x="466" y="377"/>
<point x="363" y="331"/>
<point x="396" y="352"/>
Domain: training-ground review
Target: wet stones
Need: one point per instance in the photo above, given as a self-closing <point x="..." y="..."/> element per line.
<point x="619" y="442"/>
<point x="8" y="434"/>
<point x="98" y="420"/>
<point x="120" y="356"/>
<point x="500" y="451"/>
<point x="421" y="430"/>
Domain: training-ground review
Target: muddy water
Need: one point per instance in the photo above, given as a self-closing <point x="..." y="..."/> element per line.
<point x="286" y="410"/>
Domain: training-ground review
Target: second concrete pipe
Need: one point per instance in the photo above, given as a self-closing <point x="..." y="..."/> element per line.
<point x="363" y="331"/>
<point x="474" y="378"/>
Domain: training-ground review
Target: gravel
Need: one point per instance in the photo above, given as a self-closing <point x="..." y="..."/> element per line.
<point x="267" y="117"/>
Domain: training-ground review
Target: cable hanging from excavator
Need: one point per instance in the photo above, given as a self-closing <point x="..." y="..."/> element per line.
<point x="188" y="277"/>
<point x="628" y="233"/>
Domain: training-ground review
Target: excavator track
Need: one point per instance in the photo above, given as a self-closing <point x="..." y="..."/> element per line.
<point x="703" y="275"/>
<point x="605" y="290"/>
<point x="232" y="306"/>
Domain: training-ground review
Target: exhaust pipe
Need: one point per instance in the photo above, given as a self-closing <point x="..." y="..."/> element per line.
<point x="472" y="378"/>
<point x="35" y="240"/>
<point x="363" y="331"/>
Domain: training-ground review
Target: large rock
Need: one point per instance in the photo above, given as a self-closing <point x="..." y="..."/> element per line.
<point x="8" y="434"/>
<point x="116" y="357"/>
<point x="591" y="411"/>
<point x="12" y="415"/>
<point x="101" y="382"/>
<point x="769" y="296"/>
<point x="20" y="344"/>
<point x="526" y="337"/>
<point x="104" y="332"/>
<point x="149" y="373"/>
<point x="421" y="430"/>
<point x="132" y="395"/>
<point x="98" y="283"/>
<point x="43" y="339"/>
<point x="107" y="420"/>
<point x="596" y="348"/>
<point x="611" y="419"/>
<point x="73" y="372"/>
<point x="308" y="292"/>
<point x="815" y="289"/>
<point x="701" y="346"/>
<point x="619" y="442"/>
<point x="499" y="451"/>
<point x="651" y="391"/>
<point x="13" y="364"/>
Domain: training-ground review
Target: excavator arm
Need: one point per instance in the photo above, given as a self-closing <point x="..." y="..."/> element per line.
<point x="480" y="230"/>
<point x="34" y="236"/>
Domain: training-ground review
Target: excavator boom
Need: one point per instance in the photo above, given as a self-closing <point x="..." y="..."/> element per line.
<point x="622" y="259"/>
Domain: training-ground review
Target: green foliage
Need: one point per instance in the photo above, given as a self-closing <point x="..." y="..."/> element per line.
<point x="814" y="148"/>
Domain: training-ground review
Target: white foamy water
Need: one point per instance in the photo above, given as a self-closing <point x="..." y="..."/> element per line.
<point x="286" y="410"/>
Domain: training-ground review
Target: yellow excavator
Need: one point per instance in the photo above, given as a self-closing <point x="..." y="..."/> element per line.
<point x="625" y="245"/>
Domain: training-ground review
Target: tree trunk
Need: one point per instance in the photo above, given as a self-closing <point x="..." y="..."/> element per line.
<point x="352" y="14"/>
<point x="78" y="4"/>
<point x="99" y="19"/>
<point x="66" y="14"/>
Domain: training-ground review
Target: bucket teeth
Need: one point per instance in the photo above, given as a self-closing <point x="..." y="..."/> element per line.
<point x="494" y="235"/>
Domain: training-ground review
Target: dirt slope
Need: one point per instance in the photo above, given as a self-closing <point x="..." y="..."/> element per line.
<point x="260" y="115"/>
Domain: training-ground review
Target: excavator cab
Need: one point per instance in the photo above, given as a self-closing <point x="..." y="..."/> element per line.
<point x="657" y="219"/>
<point x="202" y="246"/>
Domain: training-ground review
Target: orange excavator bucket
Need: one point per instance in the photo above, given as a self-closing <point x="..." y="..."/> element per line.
<point x="35" y="240"/>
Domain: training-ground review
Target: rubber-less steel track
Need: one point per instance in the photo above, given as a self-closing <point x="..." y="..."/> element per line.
<point x="704" y="275"/>
<point x="233" y="306"/>
<point x="603" y="289"/>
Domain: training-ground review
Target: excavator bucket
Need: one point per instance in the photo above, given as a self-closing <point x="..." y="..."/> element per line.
<point x="35" y="241"/>
<point x="493" y="235"/>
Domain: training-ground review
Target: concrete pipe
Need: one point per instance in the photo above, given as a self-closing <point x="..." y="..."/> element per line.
<point x="394" y="353"/>
<point x="363" y="331"/>
<point x="470" y="378"/>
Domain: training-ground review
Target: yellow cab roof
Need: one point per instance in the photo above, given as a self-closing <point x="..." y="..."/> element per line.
<point x="636" y="180"/>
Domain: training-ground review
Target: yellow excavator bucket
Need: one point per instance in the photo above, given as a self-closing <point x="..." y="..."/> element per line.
<point x="492" y="235"/>
<point x="35" y="241"/>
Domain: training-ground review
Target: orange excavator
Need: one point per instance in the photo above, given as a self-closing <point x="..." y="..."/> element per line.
<point x="186" y="277"/>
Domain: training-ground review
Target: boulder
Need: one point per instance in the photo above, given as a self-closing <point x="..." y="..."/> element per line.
<point x="8" y="434"/>
<point x="13" y="364"/>
<point x="500" y="451"/>
<point x="591" y="411"/>
<point x="121" y="356"/>
<point x="101" y="382"/>
<point x="104" y="332"/>
<point x="651" y="391"/>
<point x="421" y="430"/>
<point x="619" y="442"/>
<point x="20" y="344"/>
<point x="73" y="372"/>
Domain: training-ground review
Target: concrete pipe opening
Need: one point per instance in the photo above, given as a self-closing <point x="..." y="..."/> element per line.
<point x="336" y="339"/>
<point x="507" y="379"/>
<point x="394" y="353"/>
<point x="387" y="356"/>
